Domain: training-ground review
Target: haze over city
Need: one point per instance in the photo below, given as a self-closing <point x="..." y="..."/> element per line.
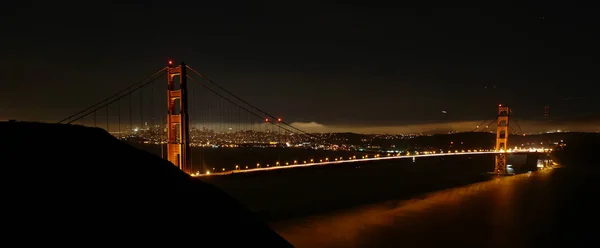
<point x="463" y="126"/>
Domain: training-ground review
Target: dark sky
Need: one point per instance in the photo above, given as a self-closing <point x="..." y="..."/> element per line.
<point x="331" y="64"/>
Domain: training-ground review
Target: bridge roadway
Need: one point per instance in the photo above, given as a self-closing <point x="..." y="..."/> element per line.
<point x="355" y="160"/>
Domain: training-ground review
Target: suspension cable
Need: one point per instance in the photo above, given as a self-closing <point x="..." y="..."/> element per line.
<point x="475" y="129"/>
<point x="151" y="77"/>
<point x="480" y="124"/>
<point x="116" y="99"/>
<point x="516" y="121"/>
<point x="229" y="100"/>
<point x="490" y="123"/>
<point x="242" y="100"/>
<point x="254" y="107"/>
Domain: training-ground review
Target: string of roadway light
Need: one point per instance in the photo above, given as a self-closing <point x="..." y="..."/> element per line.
<point x="353" y="159"/>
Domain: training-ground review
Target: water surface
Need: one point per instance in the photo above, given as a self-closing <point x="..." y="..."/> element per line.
<point x="553" y="207"/>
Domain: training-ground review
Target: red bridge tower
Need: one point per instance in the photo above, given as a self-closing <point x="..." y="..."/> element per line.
<point x="178" y="141"/>
<point x="502" y="139"/>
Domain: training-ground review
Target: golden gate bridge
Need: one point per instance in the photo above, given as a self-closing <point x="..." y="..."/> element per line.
<point x="196" y="112"/>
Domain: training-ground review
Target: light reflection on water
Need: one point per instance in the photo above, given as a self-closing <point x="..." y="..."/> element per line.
<point x="482" y="214"/>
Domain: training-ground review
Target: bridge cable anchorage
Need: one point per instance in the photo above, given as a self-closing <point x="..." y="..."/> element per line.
<point x="120" y="94"/>
<point x="254" y="107"/>
<point x="232" y="102"/>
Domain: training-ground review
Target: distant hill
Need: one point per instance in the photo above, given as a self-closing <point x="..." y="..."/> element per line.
<point x="471" y="140"/>
<point x="581" y="151"/>
<point x="467" y="140"/>
<point x="51" y="194"/>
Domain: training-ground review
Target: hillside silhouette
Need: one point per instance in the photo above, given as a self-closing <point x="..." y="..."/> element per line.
<point x="581" y="151"/>
<point x="67" y="184"/>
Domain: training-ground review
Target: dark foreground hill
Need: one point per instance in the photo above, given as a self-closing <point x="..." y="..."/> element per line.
<point x="51" y="195"/>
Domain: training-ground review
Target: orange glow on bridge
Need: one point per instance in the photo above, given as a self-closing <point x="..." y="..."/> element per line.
<point x="374" y="158"/>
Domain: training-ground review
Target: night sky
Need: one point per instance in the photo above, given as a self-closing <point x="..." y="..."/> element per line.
<point x="342" y="65"/>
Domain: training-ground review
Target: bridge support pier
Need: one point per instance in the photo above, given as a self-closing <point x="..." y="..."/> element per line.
<point x="500" y="167"/>
<point x="178" y="147"/>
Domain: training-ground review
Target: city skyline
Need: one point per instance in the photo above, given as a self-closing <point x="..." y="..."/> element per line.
<point x="523" y="127"/>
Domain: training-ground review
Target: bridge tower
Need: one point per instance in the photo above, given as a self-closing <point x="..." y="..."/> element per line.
<point x="178" y="145"/>
<point x="502" y="139"/>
